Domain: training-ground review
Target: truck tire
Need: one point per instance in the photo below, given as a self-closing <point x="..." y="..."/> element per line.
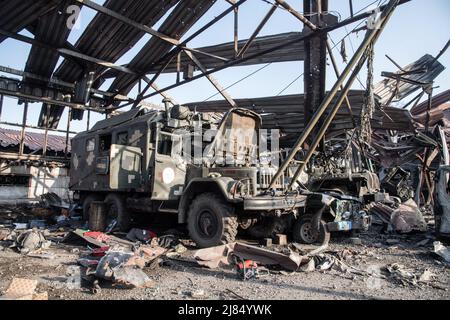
<point x="211" y="221"/>
<point x="87" y="203"/>
<point x="116" y="209"/>
<point x="303" y="231"/>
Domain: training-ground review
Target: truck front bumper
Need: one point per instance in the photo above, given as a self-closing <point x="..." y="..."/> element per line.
<point x="347" y="225"/>
<point x="267" y="203"/>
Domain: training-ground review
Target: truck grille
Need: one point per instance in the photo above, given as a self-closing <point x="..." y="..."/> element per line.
<point x="265" y="176"/>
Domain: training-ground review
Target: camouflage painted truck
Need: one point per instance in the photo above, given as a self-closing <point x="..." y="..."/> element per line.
<point x="144" y="160"/>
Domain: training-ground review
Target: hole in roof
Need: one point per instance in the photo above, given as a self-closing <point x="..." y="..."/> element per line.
<point x="84" y="19"/>
<point x="131" y="54"/>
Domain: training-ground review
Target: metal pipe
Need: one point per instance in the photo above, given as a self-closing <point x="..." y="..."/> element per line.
<point x="298" y="15"/>
<point x="257" y="30"/>
<point x="47" y="116"/>
<point x="328" y="120"/>
<point x="169" y="55"/>
<point x="22" y="133"/>
<point x="12" y="124"/>
<point x="370" y="35"/>
<point x="69" y="118"/>
<point x="261" y="53"/>
<point x="1" y="105"/>
<point x="336" y="71"/>
<point x="236" y="31"/>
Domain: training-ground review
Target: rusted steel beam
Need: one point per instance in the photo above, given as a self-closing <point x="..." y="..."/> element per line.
<point x="28" y="126"/>
<point x="336" y="71"/>
<point x="68" y="52"/>
<point x="167" y="58"/>
<point x="30" y="157"/>
<point x="47" y="116"/>
<point x="257" y="30"/>
<point x="60" y="83"/>
<point x="69" y="117"/>
<point x="213" y="80"/>
<point x="236" y="31"/>
<point x="22" y="133"/>
<point x="49" y="100"/>
<point x="298" y="15"/>
<point x="128" y="21"/>
<point x="206" y="54"/>
<point x="261" y="53"/>
<point x="429" y="91"/>
<point x="370" y="38"/>
<point x="315" y="60"/>
<point x="1" y="105"/>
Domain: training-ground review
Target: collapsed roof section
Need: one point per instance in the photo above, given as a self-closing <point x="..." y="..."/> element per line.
<point x="117" y="27"/>
<point x="286" y="114"/>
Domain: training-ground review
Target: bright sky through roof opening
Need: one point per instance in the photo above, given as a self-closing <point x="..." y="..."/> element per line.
<point x="416" y="28"/>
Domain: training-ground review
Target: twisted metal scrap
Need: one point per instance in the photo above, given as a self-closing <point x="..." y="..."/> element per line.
<point x="369" y="100"/>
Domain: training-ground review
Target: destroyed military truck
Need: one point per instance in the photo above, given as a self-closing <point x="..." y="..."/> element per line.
<point x="144" y="160"/>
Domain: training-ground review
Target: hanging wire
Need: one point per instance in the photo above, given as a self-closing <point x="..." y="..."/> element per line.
<point x="298" y="77"/>
<point x="238" y="81"/>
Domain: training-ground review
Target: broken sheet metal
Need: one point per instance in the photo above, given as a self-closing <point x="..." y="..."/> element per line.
<point x="23" y="289"/>
<point x="126" y="267"/>
<point x="222" y="256"/>
<point x="442" y="251"/>
<point x="422" y="71"/>
<point x="437" y="101"/>
<point x="405" y="218"/>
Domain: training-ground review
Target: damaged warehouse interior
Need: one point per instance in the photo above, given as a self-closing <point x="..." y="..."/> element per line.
<point x="120" y="180"/>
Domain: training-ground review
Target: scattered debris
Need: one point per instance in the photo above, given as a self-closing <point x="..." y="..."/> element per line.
<point x="140" y="235"/>
<point x="23" y="289"/>
<point x="31" y="240"/>
<point x="442" y="251"/>
<point x="408" y="218"/>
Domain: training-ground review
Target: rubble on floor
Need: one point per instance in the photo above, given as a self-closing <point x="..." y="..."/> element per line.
<point x="126" y="261"/>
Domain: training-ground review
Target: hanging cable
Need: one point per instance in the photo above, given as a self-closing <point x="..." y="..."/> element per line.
<point x="238" y="81"/>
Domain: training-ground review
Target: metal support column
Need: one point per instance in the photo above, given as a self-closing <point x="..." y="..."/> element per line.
<point x="370" y="38"/>
<point x="22" y="134"/>
<point x="47" y="119"/>
<point x="315" y="60"/>
<point x="69" y="117"/>
<point x="1" y="105"/>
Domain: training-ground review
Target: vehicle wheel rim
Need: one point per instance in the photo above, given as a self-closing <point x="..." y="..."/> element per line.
<point x="113" y="214"/>
<point x="207" y="224"/>
<point x="307" y="233"/>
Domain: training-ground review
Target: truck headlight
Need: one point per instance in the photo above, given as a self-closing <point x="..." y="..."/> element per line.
<point x="168" y="175"/>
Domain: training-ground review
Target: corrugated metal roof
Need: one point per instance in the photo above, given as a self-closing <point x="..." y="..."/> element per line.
<point x="294" y="52"/>
<point x="33" y="141"/>
<point x="109" y="39"/>
<point x="286" y="114"/>
<point x="180" y="20"/>
<point x="51" y="29"/>
<point x="436" y="101"/>
<point x="18" y="14"/>
<point x="385" y="88"/>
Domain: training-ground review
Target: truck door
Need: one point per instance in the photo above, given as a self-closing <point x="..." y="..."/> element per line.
<point x="125" y="167"/>
<point x="170" y="169"/>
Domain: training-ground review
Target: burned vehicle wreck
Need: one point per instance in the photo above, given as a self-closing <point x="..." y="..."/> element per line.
<point x="206" y="168"/>
<point x="137" y="161"/>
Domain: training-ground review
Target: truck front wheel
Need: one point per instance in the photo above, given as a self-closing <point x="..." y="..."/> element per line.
<point x="211" y="221"/>
<point x="87" y="203"/>
<point x="304" y="231"/>
<point x="116" y="210"/>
